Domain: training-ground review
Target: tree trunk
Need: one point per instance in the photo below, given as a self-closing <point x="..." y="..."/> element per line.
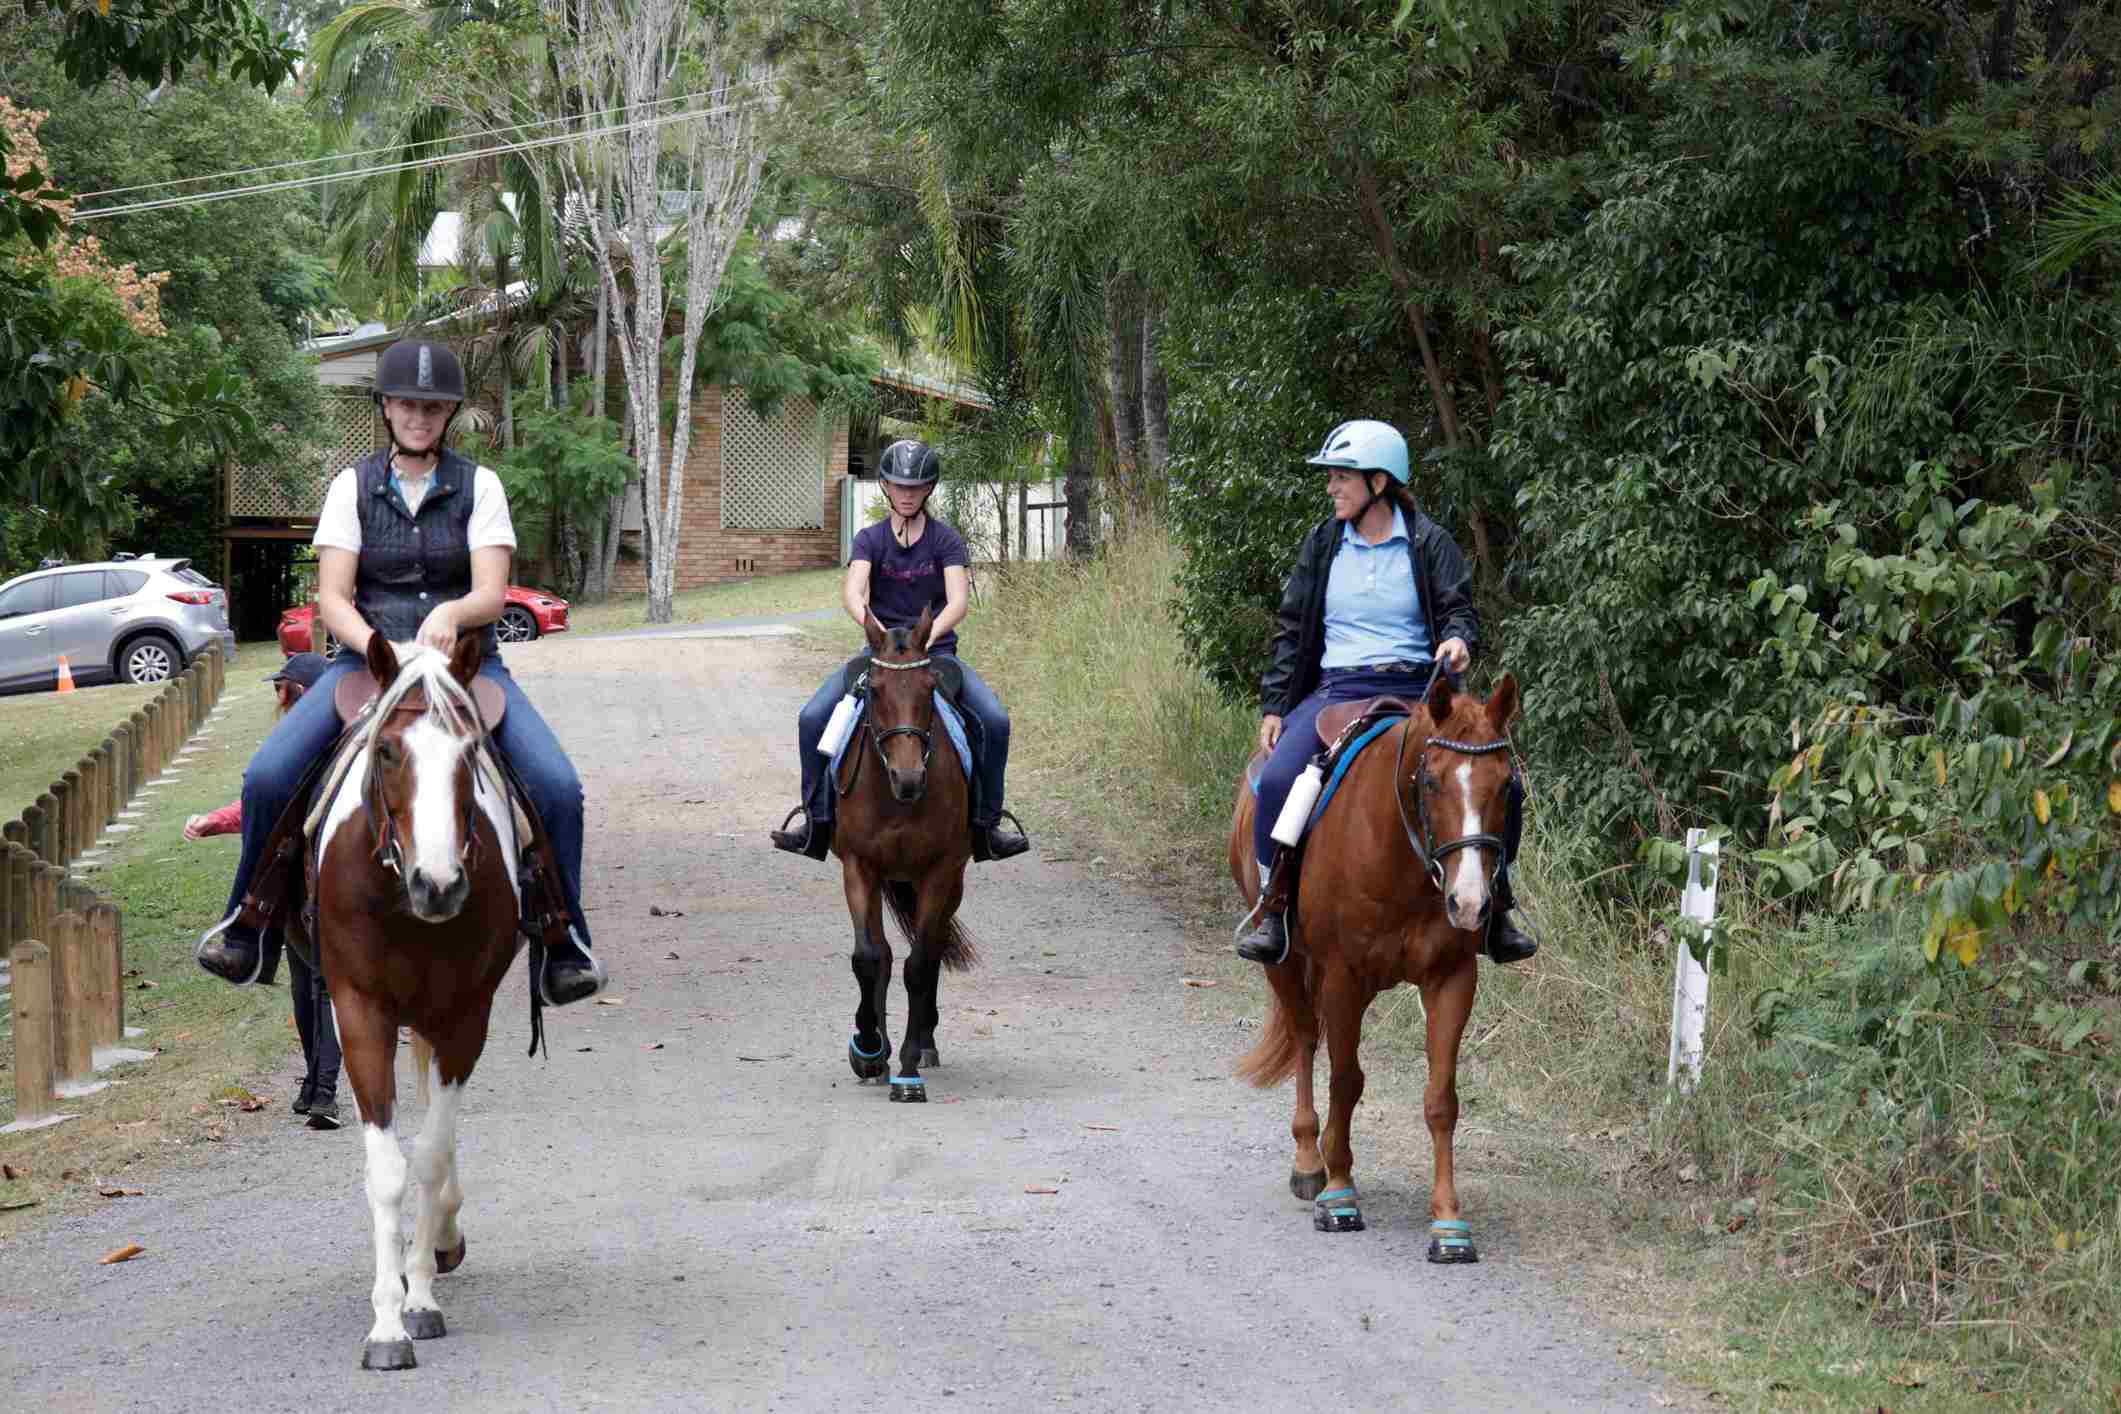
<point x="602" y="560"/>
<point x="1417" y="312"/>
<point x="1081" y="478"/>
<point x="1156" y="399"/>
<point x="1123" y="307"/>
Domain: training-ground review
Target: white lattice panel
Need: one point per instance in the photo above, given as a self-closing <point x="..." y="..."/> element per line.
<point x="297" y="492"/>
<point x="773" y="469"/>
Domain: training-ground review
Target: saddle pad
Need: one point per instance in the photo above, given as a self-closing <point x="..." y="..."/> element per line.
<point x="1340" y="768"/>
<point x="952" y="724"/>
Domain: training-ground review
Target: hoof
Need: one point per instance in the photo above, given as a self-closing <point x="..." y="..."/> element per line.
<point x="1336" y="1212"/>
<point x="449" y="1261"/>
<point x="908" y="1090"/>
<point x="425" y="1325"/>
<point x="866" y="1066"/>
<point x="1451" y="1243"/>
<point x="930" y="1056"/>
<point x="1307" y="1185"/>
<point x="388" y="1355"/>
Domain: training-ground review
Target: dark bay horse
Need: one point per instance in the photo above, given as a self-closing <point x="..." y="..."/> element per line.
<point x="1395" y="887"/>
<point x="904" y="838"/>
<point x="416" y="907"/>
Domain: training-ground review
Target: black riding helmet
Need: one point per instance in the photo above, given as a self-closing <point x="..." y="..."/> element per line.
<point x="419" y="368"/>
<point x="907" y="462"/>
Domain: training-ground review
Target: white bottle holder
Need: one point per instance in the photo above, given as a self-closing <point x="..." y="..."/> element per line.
<point x="1289" y="825"/>
<point x="842" y="723"/>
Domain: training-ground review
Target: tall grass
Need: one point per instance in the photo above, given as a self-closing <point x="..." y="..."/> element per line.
<point x="1911" y="1156"/>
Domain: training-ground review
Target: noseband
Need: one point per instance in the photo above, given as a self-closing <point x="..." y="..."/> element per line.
<point x="1423" y="842"/>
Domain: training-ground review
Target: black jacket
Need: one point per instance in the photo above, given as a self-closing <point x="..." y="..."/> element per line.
<point x="1441" y="577"/>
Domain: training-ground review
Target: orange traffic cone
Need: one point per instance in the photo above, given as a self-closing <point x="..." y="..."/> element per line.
<point x="66" y="675"/>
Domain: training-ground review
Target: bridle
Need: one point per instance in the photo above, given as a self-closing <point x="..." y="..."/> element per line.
<point x="387" y="851"/>
<point x="925" y="736"/>
<point x="1423" y="841"/>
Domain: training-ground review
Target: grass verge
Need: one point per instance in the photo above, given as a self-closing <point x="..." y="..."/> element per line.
<point x="1831" y="1222"/>
<point x="212" y="1041"/>
<point x="42" y="735"/>
<point x="745" y="599"/>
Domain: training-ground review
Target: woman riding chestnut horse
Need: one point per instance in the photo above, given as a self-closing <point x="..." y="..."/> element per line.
<point x="413" y="543"/>
<point x="1380" y="597"/>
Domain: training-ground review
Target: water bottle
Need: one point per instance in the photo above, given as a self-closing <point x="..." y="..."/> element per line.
<point x="841" y="725"/>
<point x="1296" y="811"/>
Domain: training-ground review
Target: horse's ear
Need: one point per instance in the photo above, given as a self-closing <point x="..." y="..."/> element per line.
<point x="1439" y="699"/>
<point x="382" y="660"/>
<point x="1504" y="704"/>
<point x="873" y="628"/>
<point x="922" y="628"/>
<point x="465" y="659"/>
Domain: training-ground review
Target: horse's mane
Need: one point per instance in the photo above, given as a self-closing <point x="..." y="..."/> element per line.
<point x="420" y="666"/>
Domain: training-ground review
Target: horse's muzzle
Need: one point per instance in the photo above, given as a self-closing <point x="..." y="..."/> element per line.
<point x="907" y="787"/>
<point x="433" y="903"/>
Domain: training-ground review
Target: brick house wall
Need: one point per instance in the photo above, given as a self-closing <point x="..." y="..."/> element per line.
<point x="709" y="552"/>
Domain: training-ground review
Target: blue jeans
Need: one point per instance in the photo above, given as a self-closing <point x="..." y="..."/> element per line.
<point x="1299" y="743"/>
<point x="312" y="725"/>
<point x="991" y="748"/>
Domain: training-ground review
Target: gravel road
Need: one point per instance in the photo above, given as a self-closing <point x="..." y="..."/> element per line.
<point x="692" y="1204"/>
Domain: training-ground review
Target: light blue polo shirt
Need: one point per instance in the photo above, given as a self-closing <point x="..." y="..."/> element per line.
<point x="1373" y="610"/>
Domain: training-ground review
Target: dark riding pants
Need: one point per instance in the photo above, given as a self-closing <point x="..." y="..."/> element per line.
<point x="314" y="1024"/>
<point x="312" y="725"/>
<point x="1299" y="743"/>
<point x="990" y="745"/>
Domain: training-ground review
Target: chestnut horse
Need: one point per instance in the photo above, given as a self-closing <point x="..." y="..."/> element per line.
<point x="416" y="921"/>
<point x="1395" y="887"/>
<point x="904" y="837"/>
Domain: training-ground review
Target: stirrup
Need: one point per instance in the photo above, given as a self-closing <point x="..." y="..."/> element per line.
<point x="988" y="844"/>
<point x="595" y="974"/>
<point x="260" y="973"/>
<point x="815" y="842"/>
<point x="1268" y="944"/>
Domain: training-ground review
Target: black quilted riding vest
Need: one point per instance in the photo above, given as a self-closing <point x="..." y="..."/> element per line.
<point x="411" y="563"/>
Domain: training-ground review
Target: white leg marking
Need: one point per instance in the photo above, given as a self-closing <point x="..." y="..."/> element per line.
<point x="434" y="1164"/>
<point x="386" y="1196"/>
<point x="1469" y="879"/>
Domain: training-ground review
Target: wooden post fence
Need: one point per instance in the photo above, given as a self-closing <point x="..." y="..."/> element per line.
<point x="108" y="925"/>
<point x="36" y="823"/>
<point x="136" y="743"/>
<point x="34" y="1039"/>
<point x="121" y="759"/>
<point x="72" y="781"/>
<point x="21" y="907"/>
<point x="75" y="1053"/>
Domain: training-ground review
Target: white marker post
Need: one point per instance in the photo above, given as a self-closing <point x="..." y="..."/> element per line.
<point x="1690" y="980"/>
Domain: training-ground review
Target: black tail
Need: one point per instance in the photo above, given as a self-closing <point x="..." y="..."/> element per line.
<point x="958" y="953"/>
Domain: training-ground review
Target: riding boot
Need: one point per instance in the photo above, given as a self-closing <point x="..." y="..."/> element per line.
<point x="1505" y="941"/>
<point x="812" y="841"/>
<point x="237" y="954"/>
<point x="572" y="971"/>
<point x="993" y="840"/>
<point x="1269" y="942"/>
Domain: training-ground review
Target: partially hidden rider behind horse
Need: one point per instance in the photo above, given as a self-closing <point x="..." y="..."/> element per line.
<point x="1380" y="601"/>
<point x="906" y="568"/>
<point x="413" y="546"/>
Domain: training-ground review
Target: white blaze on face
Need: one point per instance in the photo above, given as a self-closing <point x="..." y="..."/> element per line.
<point x="437" y="824"/>
<point x="1468" y="882"/>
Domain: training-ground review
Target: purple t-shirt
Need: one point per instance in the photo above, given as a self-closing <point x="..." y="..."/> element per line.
<point x="905" y="579"/>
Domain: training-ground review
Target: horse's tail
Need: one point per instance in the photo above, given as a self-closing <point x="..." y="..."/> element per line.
<point x="1276" y="1056"/>
<point x="423" y="1059"/>
<point x="958" y="952"/>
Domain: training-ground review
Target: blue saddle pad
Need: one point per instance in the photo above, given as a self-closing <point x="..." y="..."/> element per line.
<point x="953" y="725"/>
<point x="1340" y="768"/>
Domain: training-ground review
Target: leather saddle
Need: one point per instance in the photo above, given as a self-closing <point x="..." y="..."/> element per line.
<point x="1342" y="721"/>
<point x="353" y="692"/>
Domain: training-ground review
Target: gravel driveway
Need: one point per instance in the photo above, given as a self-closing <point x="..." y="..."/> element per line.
<point x="692" y="1204"/>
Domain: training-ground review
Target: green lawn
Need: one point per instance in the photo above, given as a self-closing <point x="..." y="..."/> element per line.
<point x="745" y="599"/>
<point x="43" y="735"/>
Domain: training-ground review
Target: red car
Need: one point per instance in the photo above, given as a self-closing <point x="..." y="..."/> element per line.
<point x="530" y="614"/>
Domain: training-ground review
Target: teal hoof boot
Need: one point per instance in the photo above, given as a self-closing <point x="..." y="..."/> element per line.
<point x="1307" y="1185"/>
<point x="867" y="1065"/>
<point x="1451" y="1243"/>
<point x="1335" y="1211"/>
<point x="908" y="1090"/>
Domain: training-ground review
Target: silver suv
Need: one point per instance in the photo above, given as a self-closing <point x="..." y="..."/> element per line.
<point x="128" y="620"/>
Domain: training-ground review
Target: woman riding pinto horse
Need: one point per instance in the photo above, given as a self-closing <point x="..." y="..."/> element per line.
<point x="1379" y="598"/>
<point x="907" y="566"/>
<point x="414" y="543"/>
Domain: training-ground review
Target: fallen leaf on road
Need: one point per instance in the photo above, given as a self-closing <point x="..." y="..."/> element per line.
<point x="149" y="984"/>
<point x="580" y="1049"/>
<point x="653" y="1046"/>
<point x="611" y="1001"/>
<point x="122" y="1192"/>
<point x="655" y="912"/>
<point x="1048" y="1191"/>
<point x="11" y="1173"/>
<point x="751" y="959"/>
<point x="671" y="956"/>
<point x="1108" y="1128"/>
<point x="182" y="1036"/>
<point x="123" y="1254"/>
<point x="751" y="1058"/>
<point x="10" y="1207"/>
<point x="1200" y="982"/>
<point x="251" y="1107"/>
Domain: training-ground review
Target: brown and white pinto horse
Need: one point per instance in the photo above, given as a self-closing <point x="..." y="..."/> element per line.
<point x="417" y="909"/>
<point x="904" y="838"/>
<point x="1395" y="887"/>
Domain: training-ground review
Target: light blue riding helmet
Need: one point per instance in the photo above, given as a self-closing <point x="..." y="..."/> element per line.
<point x="1365" y="445"/>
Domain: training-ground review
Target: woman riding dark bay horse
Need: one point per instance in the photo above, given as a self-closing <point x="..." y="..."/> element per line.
<point x="902" y="839"/>
<point x="413" y="545"/>
<point x="1380" y="597"/>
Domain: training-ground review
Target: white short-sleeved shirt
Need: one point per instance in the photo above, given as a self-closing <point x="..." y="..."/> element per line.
<point x="339" y="523"/>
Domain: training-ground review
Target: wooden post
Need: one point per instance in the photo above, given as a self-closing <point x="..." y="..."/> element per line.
<point x="76" y="813"/>
<point x="108" y="924"/>
<point x="43" y="900"/>
<point x="21" y="907"/>
<point x="138" y="775"/>
<point x="13" y="832"/>
<point x="36" y="823"/>
<point x="150" y="742"/>
<point x="121" y="768"/>
<point x="76" y="1051"/>
<point x="97" y="982"/>
<point x="105" y="757"/>
<point x="63" y="834"/>
<point x="91" y="801"/>
<point x="33" y="1034"/>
